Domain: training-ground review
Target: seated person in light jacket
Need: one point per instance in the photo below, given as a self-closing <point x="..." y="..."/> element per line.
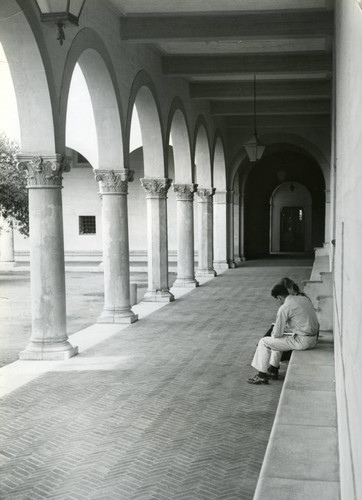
<point x="296" y="328"/>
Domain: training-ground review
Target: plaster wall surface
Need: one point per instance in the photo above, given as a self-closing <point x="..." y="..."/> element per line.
<point x="348" y="262"/>
<point x="80" y="198"/>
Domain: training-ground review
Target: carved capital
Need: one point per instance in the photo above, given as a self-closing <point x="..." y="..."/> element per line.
<point x="156" y="188"/>
<point x="205" y="195"/>
<point x="44" y="171"/>
<point x="114" y="181"/>
<point x="184" y="192"/>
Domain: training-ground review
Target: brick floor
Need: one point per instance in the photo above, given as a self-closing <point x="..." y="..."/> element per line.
<point x="173" y="419"/>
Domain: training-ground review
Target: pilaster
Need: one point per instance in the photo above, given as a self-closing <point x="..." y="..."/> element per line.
<point x="113" y="192"/>
<point x="185" y="236"/>
<point x="156" y="195"/>
<point x="49" y="340"/>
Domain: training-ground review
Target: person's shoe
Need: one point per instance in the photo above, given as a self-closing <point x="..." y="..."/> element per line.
<point x="273" y="374"/>
<point x="258" y="380"/>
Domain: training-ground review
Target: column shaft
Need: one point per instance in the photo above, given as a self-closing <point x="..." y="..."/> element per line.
<point x="185" y="236"/>
<point x="205" y="233"/>
<point x="49" y="340"/>
<point x="113" y="191"/>
<point x="230" y="209"/>
<point x="158" y="288"/>
<point x="220" y="230"/>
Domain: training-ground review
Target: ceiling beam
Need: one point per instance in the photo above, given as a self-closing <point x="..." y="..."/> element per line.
<point x="282" y="107"/>
<point x="282" y="121"/>
<point x="227" y="26"/>
<point x="272" y="89"/>
<point x="258" y="64"/>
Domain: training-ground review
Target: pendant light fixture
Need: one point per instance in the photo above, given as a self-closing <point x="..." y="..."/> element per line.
<point x="60" y="13"/>
<point x="253" y="147"/>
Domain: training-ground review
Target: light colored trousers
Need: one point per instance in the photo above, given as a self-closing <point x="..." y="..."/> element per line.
<point x="269" y="350"/>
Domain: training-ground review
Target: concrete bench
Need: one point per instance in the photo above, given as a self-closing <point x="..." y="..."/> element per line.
<point x="301" y="460"/>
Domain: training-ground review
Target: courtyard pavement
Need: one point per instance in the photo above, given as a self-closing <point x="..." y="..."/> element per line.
<point x="159" y="409"/>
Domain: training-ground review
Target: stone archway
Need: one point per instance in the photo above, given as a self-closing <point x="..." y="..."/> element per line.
<point x="155" y="184"/>
<point x="184" y="188"/>
<point x="221" y="206"/>
<point x="205" y="192"/>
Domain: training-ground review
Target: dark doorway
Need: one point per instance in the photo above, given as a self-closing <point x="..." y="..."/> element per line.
<point x="292" y="229"/>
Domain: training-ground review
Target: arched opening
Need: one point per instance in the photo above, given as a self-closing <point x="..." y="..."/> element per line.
<point x="282" y="165"/>
<point x="221" y="216"/>
<point x="203" y="172"/>
<point x="155" y="183"/>
<point x="180" y="170"/>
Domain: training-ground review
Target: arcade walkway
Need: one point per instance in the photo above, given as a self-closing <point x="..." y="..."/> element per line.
<point x="160" y="410"/>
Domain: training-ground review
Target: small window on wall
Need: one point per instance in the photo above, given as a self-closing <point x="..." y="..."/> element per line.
<point x="87" y="224"/>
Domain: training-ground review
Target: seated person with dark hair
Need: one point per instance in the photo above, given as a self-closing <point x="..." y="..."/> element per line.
<point x="296" y="328"/>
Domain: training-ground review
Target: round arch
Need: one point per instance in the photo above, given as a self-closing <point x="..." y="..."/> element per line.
<point x="219" y="164"/>
<point x="33" y="82"/>
<point x="89" y="51"/>
<point x="202" y="162"/>
<point x="178" y="131"/>
<point x="143" y="95"/>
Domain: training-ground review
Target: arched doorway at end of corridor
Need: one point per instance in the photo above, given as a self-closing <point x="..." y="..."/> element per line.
<point x="284" y="205"/>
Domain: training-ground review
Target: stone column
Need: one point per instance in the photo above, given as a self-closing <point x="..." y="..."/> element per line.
<point x="242" y="227"/>
<point x="156" y="195"/>
<point x="237" y="253"/>
<point x="49" y="340"/>
<point x="205" y="233"/>
<point x="185" y="235"/>
<point x="220" y="230"/>
<point x="230" y="214"/>
<point x="113" y="192"/>
<point x="6" y="242"/>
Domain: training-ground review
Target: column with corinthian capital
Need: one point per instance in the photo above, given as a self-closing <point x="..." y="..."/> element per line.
<point x="185" y="236"/>
<point x="205" y="233"/>
<point x="156" y="195"/>
<point x="49" y="339"/>
<point x="113" y="192"/>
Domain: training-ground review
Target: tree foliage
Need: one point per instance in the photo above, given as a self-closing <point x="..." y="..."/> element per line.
<point x="13" y="193"/>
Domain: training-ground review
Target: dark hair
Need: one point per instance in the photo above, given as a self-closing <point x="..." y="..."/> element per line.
<point x="288" y="283"/>
<point x="279" y="290"/>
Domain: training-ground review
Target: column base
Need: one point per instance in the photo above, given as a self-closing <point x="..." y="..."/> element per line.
<point x="53" y="352"/>
<point x="117" y="317"/>
<point x="232" y="264"/>
<point x="222" y="264"/>
<point x="185" y="283"/>
<point x="158" y="296"/>
<point x="205" y="273"/>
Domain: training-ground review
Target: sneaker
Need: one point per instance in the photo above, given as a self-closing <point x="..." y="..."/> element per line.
<point x="257" y="380"/>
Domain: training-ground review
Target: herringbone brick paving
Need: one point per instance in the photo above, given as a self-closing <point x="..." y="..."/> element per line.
<point x="175" y="419"/>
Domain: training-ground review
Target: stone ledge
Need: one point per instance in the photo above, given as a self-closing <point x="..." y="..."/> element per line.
<point x="301" y="460"/>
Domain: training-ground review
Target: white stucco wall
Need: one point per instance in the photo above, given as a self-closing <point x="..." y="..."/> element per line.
<point x="348" y="235"/>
